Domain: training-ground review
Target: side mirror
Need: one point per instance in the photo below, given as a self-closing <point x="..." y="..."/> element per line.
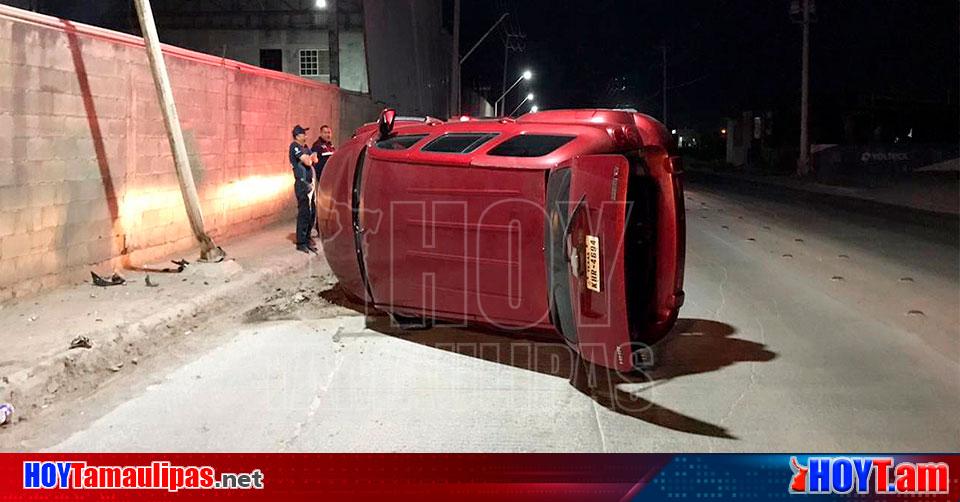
<point x="385" y="122"/>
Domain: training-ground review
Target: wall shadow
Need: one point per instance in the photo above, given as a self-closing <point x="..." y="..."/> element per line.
<point x="96" y="135"/>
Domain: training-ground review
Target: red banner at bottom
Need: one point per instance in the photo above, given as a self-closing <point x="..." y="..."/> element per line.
<point x="581" y="477"/>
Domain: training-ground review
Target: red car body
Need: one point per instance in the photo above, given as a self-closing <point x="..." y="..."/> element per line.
<point x="570" y="221"/>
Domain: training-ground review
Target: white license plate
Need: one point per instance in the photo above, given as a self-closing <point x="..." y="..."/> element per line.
<point x="592" y="260"/>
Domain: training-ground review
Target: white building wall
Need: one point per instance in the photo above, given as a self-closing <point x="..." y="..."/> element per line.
<point x="245" y="46"/>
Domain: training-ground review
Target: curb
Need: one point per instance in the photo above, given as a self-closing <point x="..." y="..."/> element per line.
<point x="65" y="373"/>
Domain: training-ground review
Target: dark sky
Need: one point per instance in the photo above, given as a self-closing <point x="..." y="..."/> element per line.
<point x="723" y="55"/>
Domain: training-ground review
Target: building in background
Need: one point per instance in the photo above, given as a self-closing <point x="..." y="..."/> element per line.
<point x="395" y="51"/>
<point x="291" y="36"/>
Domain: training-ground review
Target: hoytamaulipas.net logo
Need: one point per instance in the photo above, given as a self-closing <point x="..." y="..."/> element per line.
<point x="863" y="475"/>
<point x="159" y="475"/>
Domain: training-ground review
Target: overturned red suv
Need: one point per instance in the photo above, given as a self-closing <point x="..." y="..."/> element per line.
<point x="570" y="221"/>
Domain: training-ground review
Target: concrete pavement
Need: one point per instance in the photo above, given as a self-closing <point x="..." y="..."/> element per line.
<point x="804" y="330"/>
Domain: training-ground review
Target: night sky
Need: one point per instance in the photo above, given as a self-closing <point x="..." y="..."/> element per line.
<point x="723" y="55"/>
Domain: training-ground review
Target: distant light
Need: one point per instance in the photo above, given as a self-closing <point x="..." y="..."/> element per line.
<point x="464" y="118"/>
<point x="673" y="131"/>
<point x="723" y="131"/>
<point x="321" y="4"/>
<point x="527" y="75"/>
<point x="534" y="109"/>
<point x="530" y="96"/>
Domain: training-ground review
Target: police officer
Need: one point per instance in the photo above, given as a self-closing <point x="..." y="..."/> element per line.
<point x="302" y="160"/>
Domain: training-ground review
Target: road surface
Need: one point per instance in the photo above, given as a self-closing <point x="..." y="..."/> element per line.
<point x="803" y="330"/>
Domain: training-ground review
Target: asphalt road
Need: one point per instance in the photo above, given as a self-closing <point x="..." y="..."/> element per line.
<point x="803" y="330"/>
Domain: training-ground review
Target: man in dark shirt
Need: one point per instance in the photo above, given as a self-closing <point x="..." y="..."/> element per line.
<point x="324" y="148"/>
<point x="302" y="161"/>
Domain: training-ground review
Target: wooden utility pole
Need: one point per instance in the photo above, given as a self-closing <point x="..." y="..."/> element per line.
<point x="803" y="163"/>
<point x="454" y="108"/>
<point x="208" y="250"/>
<point x="333" y="42"/>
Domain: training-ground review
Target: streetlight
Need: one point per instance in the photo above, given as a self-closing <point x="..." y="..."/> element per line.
<point x="526" y="75"/>
<point x="528" y="98"/>
<point x="534" y="109"/>
<point x="321" y="4"/>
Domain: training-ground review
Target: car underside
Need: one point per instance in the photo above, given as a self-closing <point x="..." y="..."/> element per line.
<point x="568" y="221"/>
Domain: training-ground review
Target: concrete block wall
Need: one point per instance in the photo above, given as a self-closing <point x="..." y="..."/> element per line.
<point x="86" y="173"/>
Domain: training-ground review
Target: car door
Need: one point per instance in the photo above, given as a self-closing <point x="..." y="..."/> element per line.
<point x="588" y="211"/>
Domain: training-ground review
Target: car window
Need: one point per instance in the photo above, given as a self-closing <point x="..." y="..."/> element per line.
<point x="458" y="142"/>
<point x="529" y="145"/>
<point x="400" y="142"/>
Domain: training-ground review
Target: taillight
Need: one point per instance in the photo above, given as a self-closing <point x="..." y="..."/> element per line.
<point x="624" y="137"/>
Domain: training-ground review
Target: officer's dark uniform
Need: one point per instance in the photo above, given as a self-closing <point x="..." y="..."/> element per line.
<point x="303" y="182"/>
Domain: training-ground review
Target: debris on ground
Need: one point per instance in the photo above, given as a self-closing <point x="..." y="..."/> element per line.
<point x="150" y="284"/>
<point x="81" y="342"/>
<point x="309" y="299"/>
<point x="32" y="318"/>
<point x="116" y="367"/>
<point x="163" y="268"/>
<point x="114" y="280"/>
<point x="215" y="255"/>
<point x="6" y="411"/>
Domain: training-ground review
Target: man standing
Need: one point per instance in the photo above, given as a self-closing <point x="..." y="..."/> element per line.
<point x="323" y="147"/>
<point x="302" y="160"/>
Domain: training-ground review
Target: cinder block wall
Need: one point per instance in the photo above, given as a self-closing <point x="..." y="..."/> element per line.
<point x="86" y="172"/>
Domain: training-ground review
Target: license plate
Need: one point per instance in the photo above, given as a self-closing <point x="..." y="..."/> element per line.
<point x="592" y="259"/>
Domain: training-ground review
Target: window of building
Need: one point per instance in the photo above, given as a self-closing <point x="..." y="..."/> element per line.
<point x="271" y="59"/>
<point x="400" y="142"/>
<point x="529" y="145"/>
<point x="314" y="62"/>
<point x="458" y="142"/>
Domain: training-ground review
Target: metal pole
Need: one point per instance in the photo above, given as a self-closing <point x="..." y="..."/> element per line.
<point x="518" y="107"/>
<point x="208" y="250"/>
<point x="503" y="107"/>
<point x="333" y="42"/>
<point x="803" y="164"/>
<point x="485" y="35"/>
<point x="506" y="52"/>
<point x="455" y="62"/>
<point x="664" y="83"/>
